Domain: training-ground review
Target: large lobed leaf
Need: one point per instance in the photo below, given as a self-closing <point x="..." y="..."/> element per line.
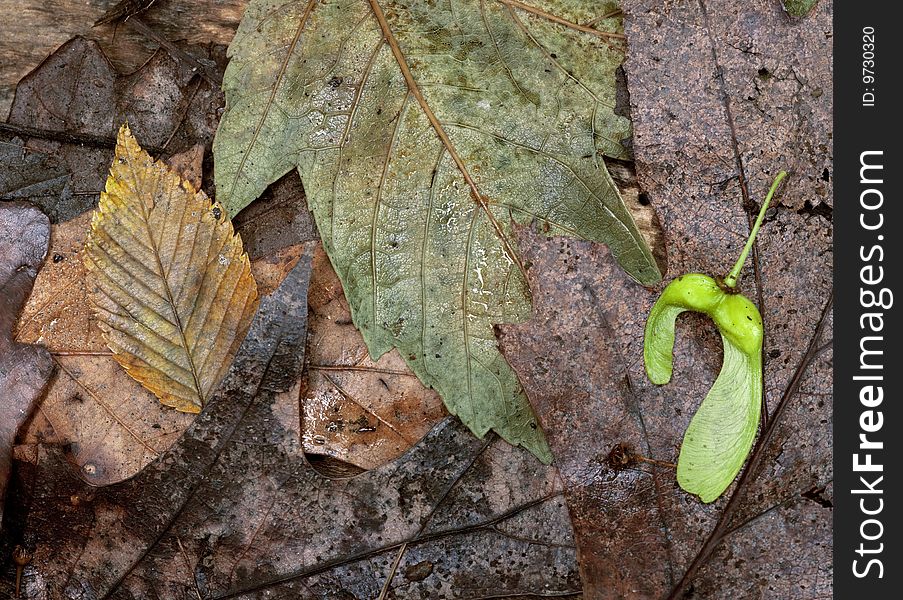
<point x="174" y="292"/>
<point x="421" y="132"/>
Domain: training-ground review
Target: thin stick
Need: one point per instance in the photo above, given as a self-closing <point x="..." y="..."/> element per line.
<point x="653" y="461"/>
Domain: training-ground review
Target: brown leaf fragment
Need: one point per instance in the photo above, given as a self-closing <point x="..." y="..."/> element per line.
<point x="174" y="292"/>
<point x="74" y="125"/>
<point x="278" y="219"/>
<point x="234" y="510"/>
<point x="754" y="98"/>
<point x="33" y="176"/>
<point x="363" y="411"/>
<point x="41" y="28"/>
<point x="24" y="368"/>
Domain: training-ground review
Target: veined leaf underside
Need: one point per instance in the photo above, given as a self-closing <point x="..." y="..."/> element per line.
<point x="422" y="131"/>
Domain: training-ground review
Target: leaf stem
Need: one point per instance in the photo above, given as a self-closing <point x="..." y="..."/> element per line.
<point x="731" y="279"/>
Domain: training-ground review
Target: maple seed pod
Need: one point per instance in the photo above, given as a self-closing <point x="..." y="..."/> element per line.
<point x="722" y="431"/>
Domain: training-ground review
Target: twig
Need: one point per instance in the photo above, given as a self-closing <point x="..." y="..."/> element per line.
<point x="66" y="137"/>
<point x="204" y="70"/>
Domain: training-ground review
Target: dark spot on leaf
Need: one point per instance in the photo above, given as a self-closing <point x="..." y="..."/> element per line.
<point x="419" y="571"/>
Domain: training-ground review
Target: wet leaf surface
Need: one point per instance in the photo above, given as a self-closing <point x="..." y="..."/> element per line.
<point x="24" y="368"/>
<point x="754" y="96"/>
<point x="195" y="522"/>
<point x="32" y="176"/>
<point x="41" y="28"/>
<point x="704" y="157"/>
<point x="74" y="102"/>
<point x="356" y="409"/>
<point x="421" y="133"/>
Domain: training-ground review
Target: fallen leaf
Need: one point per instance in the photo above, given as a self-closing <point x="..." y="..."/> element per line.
<point x="371" y="429"/>
<point x="189" y="165"/>
<point x="361" y="411"/>
<point x="24" y="368"/>
<point x="111" y="426"/>
<point x="418" y="150"/>
<point x="32" y="176"/>
<point x="453" y="514"/>
<point x="702" y="156"/>
<point x="41" y="29"/>
<point x="109" y="441"/>
<point x="174" y="294"/>
<point x="167" y="106"/>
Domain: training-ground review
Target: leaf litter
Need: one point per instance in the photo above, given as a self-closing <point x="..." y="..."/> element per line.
<point x="193" y="521"/>
<point x="419" y="150"/>
<point x="111" y="441"/>
<point x="700" y="155"/>
<point x="635" y="503"/>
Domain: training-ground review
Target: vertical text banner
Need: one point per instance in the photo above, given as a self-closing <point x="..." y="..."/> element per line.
<point x="868" y="420"/>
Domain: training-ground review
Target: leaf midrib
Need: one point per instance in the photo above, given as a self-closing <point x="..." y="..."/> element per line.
<point x="169" y="296"/>
<point x="414" y="90"/>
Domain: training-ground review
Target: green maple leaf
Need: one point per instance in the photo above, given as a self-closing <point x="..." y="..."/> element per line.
<point x="422" y="130"/>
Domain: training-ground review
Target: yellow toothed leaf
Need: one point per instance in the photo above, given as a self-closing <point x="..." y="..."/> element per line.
<point x="173" y="290"/>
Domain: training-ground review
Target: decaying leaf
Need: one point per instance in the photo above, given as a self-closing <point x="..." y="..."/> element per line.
<point x="74" y="125"/>
<point x="109" y="441"/>
<point x="421" y="133"/>
<point x="232" y="510"/>
<point x="24" y="368"/>
<point x="111" y="426"/>
<point x="798" y="8"/>
<point x="581" y="358"/>
<point x="174" y="293"/>
<point x="32" y="176"/>
<point x="356" y="409"/>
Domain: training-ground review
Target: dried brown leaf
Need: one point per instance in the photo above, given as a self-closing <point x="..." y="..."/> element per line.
<point x="24" y="368"/>
<point x="363" y="411"/>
